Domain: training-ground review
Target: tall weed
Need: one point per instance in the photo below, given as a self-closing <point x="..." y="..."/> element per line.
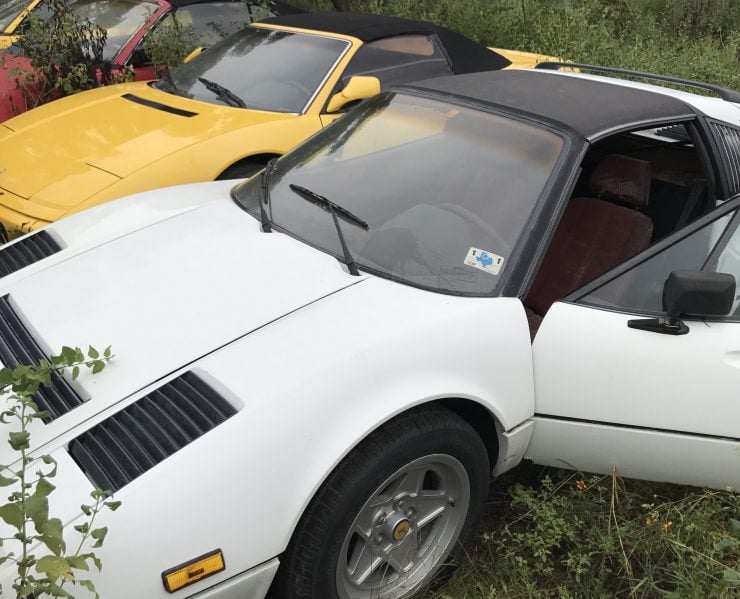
<point x="567" y="536"/>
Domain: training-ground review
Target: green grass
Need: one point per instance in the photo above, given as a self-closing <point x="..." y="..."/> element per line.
<point x="552" y="533"/>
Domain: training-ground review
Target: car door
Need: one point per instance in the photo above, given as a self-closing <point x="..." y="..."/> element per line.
<point x="652" y="405"/>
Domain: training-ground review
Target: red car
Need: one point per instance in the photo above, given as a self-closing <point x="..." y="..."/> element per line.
<point x="128" y="22"/>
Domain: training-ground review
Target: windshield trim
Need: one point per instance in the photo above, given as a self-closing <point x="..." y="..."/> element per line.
<point x="329" y="72"/>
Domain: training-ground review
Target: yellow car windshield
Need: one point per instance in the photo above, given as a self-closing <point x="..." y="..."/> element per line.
<point x="259" y="68"/>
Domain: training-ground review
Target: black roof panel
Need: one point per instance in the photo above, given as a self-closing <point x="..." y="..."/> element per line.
<point x="275" y="5"/>
<point x="592" y="108"/>
<point x="466" y="56"/>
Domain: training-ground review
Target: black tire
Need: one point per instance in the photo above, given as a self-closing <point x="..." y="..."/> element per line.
<point x="309" y="567"/>
<point x="242" y="170"/>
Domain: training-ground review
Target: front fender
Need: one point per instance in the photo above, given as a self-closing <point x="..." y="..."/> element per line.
<point x="310" y="386"/>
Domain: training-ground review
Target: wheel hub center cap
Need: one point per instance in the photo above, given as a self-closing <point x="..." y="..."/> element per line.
<point x="401" y="530"/>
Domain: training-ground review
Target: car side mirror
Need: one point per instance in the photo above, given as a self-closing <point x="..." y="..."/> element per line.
<point x="195" y="53"/>
<point x="357" y="88"/>
<point x="690" y="293"/>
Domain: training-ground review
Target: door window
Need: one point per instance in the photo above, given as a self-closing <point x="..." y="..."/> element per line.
<point x="399" y="60"/>
<point x="714" y="247"/>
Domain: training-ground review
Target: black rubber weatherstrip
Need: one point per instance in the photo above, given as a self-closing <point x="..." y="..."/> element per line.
<point x="637" y="427"/>
<point x="158" y="106"/>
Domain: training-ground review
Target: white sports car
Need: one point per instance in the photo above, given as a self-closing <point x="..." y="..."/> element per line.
<point x="310" y="399"/>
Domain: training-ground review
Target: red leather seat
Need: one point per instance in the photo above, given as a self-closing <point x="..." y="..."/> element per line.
<point x="594" y="235"/>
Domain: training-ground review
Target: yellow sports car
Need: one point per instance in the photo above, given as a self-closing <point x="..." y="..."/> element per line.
<point x="222" y="115"/>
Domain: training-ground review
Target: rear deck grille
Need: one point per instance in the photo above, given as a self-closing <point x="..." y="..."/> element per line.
<point x="139" y="437"/>
<point x="27" y="251"/>
<point x="17" y="346"/>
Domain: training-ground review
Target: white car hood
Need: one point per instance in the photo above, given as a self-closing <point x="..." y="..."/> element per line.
<point x="166" y="295"/>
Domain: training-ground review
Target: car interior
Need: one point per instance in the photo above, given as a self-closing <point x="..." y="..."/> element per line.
<point x="635" y="189"/>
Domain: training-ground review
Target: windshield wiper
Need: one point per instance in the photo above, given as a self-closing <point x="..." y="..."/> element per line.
<point x="265" y="199"/>
<point x="223" y="93"/>
<point x="167" y="83"/>
<point x="336" y="211"/>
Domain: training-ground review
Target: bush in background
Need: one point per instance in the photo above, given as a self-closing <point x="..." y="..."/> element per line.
<point x="66" y="55"/>
<point x="695" y="39"/>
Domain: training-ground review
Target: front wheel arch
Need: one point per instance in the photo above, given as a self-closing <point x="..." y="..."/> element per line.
<point x="481" y="419"/>
<point x="461" y="412"/>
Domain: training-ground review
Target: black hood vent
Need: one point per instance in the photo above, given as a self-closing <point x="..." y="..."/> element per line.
<point x="17" y="346"/>
<point x="26" y="251"/>
<point x="139" y="437"/>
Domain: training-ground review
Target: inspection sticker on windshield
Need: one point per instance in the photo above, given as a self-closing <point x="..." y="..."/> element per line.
<point x="484" y="260"/>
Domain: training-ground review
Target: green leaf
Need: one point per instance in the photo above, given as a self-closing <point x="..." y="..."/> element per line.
<point x="37" y="509"/>
<point x="724" y="544"/>
<point x="52" y="536"/>
<point x="89" y="586"/>
<point x="54" y="567"/>
<point x="93" y="353"/>
<point x="75" y="372"/>
<point x="81" y="528"/>
<point x="6" y="377"/>
<point x="43" y="488"/>
<point x="95" y="560"/>
<point x="107" y="352"/>
<point x="12" y="514"/>
<point x="47" y="459"/>
<point x="735" y="526"/>
<point x="19" y="440"/>
<point x="69" y="355"/>
<point x="97" y="366"/>
<point x="78" y="562"/>
<point x="112" y="505"/>
<point x="731" y="576"/>
<point x="6" y="482"/>
<point x="86" y="509"/>
<point x="99" y="535"/>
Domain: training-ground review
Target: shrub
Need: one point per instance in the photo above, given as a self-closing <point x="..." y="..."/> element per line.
<point x="66" y="55"/>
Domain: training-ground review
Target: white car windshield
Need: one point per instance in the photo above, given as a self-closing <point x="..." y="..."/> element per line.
<point x="261" y="69"/>
<point x="445" y="190"/>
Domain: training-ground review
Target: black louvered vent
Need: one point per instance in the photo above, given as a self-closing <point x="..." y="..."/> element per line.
<point x="27" y="251"/>
<point x="17" y="346"/>
<point x="728" y="139"/>
<point x="139" y="437"/>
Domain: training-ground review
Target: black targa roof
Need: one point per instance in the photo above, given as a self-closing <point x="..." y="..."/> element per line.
<point x="275" y="5"/>
<point x="591" y="108"/>
<point x="466" y="56"/>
